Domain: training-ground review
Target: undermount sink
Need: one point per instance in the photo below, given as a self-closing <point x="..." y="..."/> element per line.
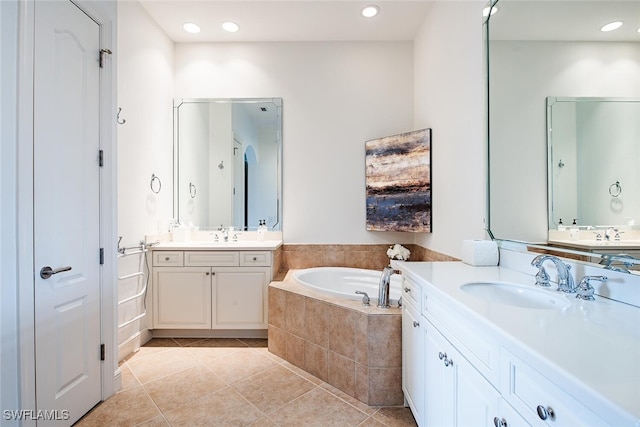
<point x="516" y="295"/>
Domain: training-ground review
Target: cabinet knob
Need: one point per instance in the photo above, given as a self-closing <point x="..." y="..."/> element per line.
<point x="545" y="413"/>
<point x="167" y="258"/>
<point x="255" y="258"/>
<point x="445" y="359"/>
<point x="416" y="323"/>
<point x="207" y="273"/>
<point x="500" y="422"/>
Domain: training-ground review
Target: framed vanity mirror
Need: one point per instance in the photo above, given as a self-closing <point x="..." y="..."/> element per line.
<point x="544" y="57"/>
<point x="228" y="162"/>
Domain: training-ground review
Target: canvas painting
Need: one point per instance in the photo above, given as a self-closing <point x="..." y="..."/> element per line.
<point x="398" y="179"/>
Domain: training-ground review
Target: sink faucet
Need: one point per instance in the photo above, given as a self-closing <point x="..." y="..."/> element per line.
<point x="565" y="279"/>
<point x="383" y="287"/>
<point x="608" y="260"/>
<point x="225" y="233"/>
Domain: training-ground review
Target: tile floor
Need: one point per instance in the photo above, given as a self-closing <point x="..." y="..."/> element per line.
<point x="228" y="382"/>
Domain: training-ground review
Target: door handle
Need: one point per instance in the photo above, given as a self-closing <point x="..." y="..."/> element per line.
<point x="47" y="271"/>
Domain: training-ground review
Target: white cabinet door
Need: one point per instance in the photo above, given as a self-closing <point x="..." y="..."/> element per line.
<point x="240" y="297"/>
<point x="456" y="393"/>
<point x="182" y="297"/>
<point x="440" y="379"/>
<point x="413" y="379"/>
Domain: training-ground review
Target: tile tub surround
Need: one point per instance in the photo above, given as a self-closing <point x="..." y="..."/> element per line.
<point x="354" y="348"/>
<point x="373" y="257"/>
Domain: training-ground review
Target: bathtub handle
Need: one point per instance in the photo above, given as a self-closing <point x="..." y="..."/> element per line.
<point x="407" y="289"/>
<point x="365" y="298"/>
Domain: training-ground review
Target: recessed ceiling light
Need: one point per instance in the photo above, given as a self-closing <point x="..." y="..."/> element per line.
<point x="611" y="26"/>
<point x="230" y="27"/>
<point x="370" y="11"/>
<point x="485" y="11"/>
<point x="190" y="27"/>
<point x="638" y="30"/>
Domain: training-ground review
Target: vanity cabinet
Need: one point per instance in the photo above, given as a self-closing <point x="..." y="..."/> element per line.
<point x="441" y="385"/>
<point x="210" y="289"/>
<point x="456" y="394"/>
<point x="413" y="335"/>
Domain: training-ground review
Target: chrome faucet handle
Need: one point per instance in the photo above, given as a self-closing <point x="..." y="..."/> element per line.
<point x="542" y="278"/>
<point x="585" y="291"/>
<point x="567" y="285"/>
<point x="366" y="301"/>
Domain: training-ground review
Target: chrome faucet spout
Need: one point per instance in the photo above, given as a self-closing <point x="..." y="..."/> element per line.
<point x="383" y="287"/>
<point x="565" y="279"/>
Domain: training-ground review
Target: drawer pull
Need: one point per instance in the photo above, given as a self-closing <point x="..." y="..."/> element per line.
<point x="445" y="359"/>
<point x="545" y="413"/>
<point x="167" y="258"/>
<point x="500" y="422"/>
<point x="407" y="289"/>
<point x="416" y="324"/>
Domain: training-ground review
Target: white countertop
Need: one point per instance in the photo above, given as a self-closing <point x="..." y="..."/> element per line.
<point x="592" y="244"/>
<point x="208" y="245"/>
<point x="590" y="346"/>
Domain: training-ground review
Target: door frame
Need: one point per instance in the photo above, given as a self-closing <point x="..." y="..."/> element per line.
<point x="105" y="14"/>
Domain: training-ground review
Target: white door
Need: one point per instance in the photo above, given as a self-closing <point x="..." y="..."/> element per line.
<point x="238" y="185"/>
<point x="66" y="211"/>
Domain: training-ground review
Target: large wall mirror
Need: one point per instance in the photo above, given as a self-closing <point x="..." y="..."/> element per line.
<point x="228" y="162"/>
<point x="541" y="54"/>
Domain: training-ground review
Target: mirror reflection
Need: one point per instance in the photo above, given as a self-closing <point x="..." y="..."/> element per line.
<point x="536" y="50"/>
<point x="593" y="153"/>
<point x="227" y="161"/>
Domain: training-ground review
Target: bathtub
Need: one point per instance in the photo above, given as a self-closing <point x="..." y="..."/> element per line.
<point x="343" y="282"/>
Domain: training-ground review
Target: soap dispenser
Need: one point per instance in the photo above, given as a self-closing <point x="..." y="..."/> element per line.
<point x="561" y="226"/>
<point x="573" y="231"/>
<point x="262" y="228"/>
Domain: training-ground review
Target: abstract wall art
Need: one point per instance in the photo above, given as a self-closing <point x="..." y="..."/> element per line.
<point x="398" y="182"/>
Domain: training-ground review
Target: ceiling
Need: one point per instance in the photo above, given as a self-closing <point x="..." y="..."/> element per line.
<point x="292" y="20"/>
<point x="565" y="20"/>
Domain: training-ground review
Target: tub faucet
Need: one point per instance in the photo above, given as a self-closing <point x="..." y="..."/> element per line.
<point x="565" y="279"/>
<point x="383" y="287"/>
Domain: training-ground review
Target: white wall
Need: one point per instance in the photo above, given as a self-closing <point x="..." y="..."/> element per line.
<point x="449" y="96"/>
<point x="9" y="365"/>
<point x="336" y="95"/>
<point x="145" y="141"/>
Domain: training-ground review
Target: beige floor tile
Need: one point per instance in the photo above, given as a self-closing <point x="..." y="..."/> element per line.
<point x="318" y="408"/>
<point x="369" y="410"/>
<point x="155" y="346"/>
<point x="395" y="417"/>
<point x="263" y="422"/>
<point x="158" y="421"/>
<point x="223" y="408"/>
<point x="153" y="367"/>
<point x="128" y="408"/>
<point x="273" y="388"/>
<point x="240" y="365"/>
<point x="371" y="422"/>
<point x="302" y="373"/>
<point x="175" y="390"/>
<point x="254" y="342"/>
<point x="265" y="352"/>
<point x="128" y="379"/>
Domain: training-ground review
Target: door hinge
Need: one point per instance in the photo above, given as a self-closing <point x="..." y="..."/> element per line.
<point x="103" y="352"/>
<point x="101" y="158"/>
<point x="101" y="256"/>
<point x="102" y="53"/>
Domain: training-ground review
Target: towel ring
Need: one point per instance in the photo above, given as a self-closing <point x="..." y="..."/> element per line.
<point x="192" y="190"/>
<point x="615" y="189"/>
<point x="155" y="184"/>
